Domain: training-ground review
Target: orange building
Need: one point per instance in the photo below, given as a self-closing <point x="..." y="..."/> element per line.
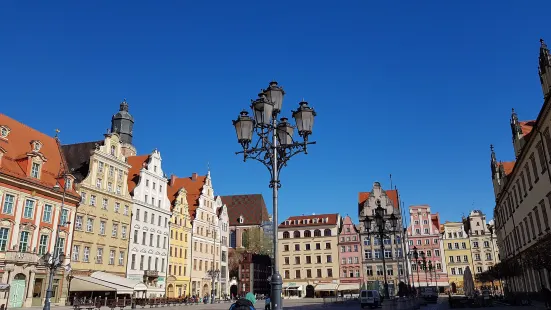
<point x="38" y="201"/>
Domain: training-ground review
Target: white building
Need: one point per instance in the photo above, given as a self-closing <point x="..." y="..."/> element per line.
<point x="207" y="236"/>
<point x="150" y="230"/>
<point x="224" y="236"/>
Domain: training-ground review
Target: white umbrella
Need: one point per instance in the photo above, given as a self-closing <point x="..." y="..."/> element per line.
<point x="468" y="282"/>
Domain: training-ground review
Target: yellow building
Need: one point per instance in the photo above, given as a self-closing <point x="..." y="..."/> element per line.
<point x="102" y="222"/>
<point x="457" y="252"/>
<point x="178" y="284"/>
<point x="308" y="255"/>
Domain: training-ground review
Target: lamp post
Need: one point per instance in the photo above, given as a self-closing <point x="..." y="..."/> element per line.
<point x="417" y="265"/>
<point x="273" y="147"/>
<point x="381" y="232"/>
<point x="410" y="255"/>
<point x="423" y="263"/>
<point x="213" y="274"/>
<point x="53" y="262"/>
<point x="431" y="269"/>
<point x="491" y="231"/>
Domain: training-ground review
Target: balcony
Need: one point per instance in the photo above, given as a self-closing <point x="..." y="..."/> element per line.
<point x="151" y="273"/>
<point x="21" y="257"/>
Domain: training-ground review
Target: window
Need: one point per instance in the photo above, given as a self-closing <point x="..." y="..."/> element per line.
<point x="102" y="227"/>
<point x="100" y="166"/>
<point x="35" y="170"/>
<point x="24" y="241"/>
<point x="109" y="187"/>
<point x="93" y="200"/>
<point x="59" y="246"/>
<point x="486" y="244"/>
<point x="64" y="216"/>
<point x="4" y="235"/>
<point x="105" y="203"/>
<point x="329" y="259"/>
<point x="29" y="209"/>
<point x="76" y="253"/>
<point x="478" y="269"/>
<point x="123" y="232"/>
<point x="43" y="245"/>
<point x="477" y="256"/>
<point x="114" y="232"/>
<point x="297" y="247"/>
<point x="113" y="150"/>
<point x="488" y="256"/>
<point x="86" y="254"/>
<point x="133" y="264"/>
<point x="89" y="225"/>
<point x="112" y="257"/>
<point x="47" y="214"/>
<point x="475" y="244"/>
<point x="98" y="183"/>
<point x="111" y="171"/>
<point x="99" y="256"/>
<point x="329" y="273"/>
<point x="9" y="201"/>
<point x="436" y="252"/>
<point x="453" y="270"/>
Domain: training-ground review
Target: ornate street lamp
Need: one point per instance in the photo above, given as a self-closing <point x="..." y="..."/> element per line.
<point x="410" y="256"/>
<point x="52" y="262"/>
<point x="431" y="269"/>
<point x="213" y="274"/>
<point x="273" y="147"/>
<point x="381" y="232"/>
<point x="417" y="265"/>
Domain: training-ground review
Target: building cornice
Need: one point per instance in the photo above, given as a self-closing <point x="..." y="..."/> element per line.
<point x="46" y="191"/>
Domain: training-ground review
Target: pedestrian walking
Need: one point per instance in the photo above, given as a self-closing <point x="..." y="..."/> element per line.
<point x="267" y="302"/>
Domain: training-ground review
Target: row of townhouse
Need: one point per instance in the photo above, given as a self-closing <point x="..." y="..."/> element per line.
<point x="328" y="255"/>
<point x="124" y="227"/>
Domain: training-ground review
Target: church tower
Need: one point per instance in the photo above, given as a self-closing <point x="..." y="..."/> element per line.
<point x="545" y="69"/>
<point x="122" y="123"/>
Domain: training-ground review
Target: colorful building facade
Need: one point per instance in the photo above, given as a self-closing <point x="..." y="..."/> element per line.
<point x="102" y="222"/>
<point x="179" y="269"/>
<point x="38" y="200"/>
<point x="457" y="252"/>
<point x="149" y="248"/>
<point x="424" y="235"/>
<point x="391" y="248"/>
<point x="350" y="257"/>
<point x="308" y="255"/>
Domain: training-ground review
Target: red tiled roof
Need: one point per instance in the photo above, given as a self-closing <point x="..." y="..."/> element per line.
<point x="331" y="220"/>
<point x="18" y="144"/>
<point x="391" y="193"/>
<point x="136" y="163"/>
<point x="526" y="127"/>
<point x="508" y="166"/>
<point x="193" y="188"/>
<point x="252" y="207"/>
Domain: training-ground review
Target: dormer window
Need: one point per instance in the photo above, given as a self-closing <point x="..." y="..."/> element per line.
<point x="240" y="220"/>
<point x="36" y="145"/>
<point x="4" y="132"/>
<point x="35" y="170"/>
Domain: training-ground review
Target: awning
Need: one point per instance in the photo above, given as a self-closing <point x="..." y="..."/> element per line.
<point x="89" y="284"/>
<point x="292" y="288"/>
<point x="349" y="287"/>
<point x="326" y="287"/>
<point x="4" y="286"/>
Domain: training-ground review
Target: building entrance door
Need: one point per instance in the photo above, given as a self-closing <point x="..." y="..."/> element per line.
<point x="17" y="291"/>
<point x="37" y="292"/>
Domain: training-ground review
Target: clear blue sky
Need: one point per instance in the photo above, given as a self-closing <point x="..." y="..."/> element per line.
<point x="416" y="89"/>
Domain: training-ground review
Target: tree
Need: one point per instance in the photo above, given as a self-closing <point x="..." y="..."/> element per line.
<point x="256" y="242"/>
<point x="234" y="260"/>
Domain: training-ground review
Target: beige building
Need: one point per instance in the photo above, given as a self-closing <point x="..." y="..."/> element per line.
<point x="308" y="255"/>
<point x="457" y="252"/>
<point x="484" y="249"/>
<point x="390" y="249"/>
<point x="522" y="187"/>
<point x="102" y="222"/>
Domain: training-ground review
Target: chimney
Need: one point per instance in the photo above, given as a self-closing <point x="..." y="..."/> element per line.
<point x="194" y="176"/>
<point x="172" y="179"/>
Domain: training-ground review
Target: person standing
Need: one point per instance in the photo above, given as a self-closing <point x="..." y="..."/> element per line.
<point x="267" y="303"/>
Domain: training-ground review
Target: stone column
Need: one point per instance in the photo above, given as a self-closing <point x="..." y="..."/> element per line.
<point x="30" y="286"/>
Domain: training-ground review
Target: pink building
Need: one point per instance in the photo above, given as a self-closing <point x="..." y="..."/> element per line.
<point x="424" y="235"/>
<point x="350" y="257"/>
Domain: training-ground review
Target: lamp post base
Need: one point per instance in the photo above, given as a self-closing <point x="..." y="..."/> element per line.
<point x="47" y="300"/>
<point x="387" y="294"/>
<point x="277" y="287"/>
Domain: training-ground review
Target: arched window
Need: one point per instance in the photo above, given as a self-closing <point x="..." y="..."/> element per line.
<point x="317" y="233"/>
<point x="286" y="235"/>
<point x="245" y="239"/>
<point x="307" y="234"/>
<point x="233" y="239"/>
<point x="327" y="232"/>
<point x="296" y="234"/>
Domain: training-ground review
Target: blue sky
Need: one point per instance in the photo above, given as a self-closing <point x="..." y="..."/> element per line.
<point x="416" y="89"/>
